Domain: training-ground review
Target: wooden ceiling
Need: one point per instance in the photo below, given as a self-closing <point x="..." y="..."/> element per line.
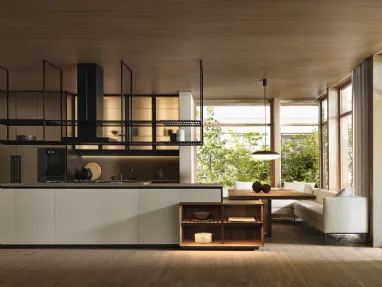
<point x="301" y="46"/>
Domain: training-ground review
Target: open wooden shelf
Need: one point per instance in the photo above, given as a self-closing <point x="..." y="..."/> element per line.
<point x="225" y="235"/>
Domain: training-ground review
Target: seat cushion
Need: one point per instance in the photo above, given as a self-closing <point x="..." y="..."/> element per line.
<point x="322" y="193"/>
<point x="297" y="186"/>
<point x="310" y="208"/>
<point x="243" y="185"/>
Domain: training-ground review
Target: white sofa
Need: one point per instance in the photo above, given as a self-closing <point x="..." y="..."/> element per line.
<point x="334" y="215"/>
<point x="329" y="213"/>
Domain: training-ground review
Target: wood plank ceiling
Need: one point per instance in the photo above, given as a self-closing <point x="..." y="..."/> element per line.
<point x="301" y="46"/>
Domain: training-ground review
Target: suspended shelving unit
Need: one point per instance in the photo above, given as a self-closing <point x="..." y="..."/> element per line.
<point x="127" y="124"/>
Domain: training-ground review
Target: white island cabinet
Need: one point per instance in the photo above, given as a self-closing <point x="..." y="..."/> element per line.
<point x="33" y="216"/>
<point x="96" y="216"/>
<point x="159" y="216"/>
<point x="6" y="216"/>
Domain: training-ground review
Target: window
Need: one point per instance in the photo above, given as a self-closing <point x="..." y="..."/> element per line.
<point x="231" y="134"/>
<point x="299" y="142"/>
<point x="324" y="145"/>
<point x="346" y="136"/>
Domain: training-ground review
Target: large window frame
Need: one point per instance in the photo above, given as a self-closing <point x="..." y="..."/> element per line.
<point x="299" y="124"/>
<point x="324" y="151"/>
<point x="343" y="115"/>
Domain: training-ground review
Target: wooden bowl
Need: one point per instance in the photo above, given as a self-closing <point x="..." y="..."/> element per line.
<point x="201" y="215"/>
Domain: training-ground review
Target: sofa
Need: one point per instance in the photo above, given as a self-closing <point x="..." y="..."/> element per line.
<point x="331" y="212"/>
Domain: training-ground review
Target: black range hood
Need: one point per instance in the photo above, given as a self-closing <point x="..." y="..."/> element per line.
<point x="89" y="105"/>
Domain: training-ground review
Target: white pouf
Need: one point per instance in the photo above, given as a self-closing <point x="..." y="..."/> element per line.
<point x="203" y="237"/>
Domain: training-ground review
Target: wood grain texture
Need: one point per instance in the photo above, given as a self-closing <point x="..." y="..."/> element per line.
<point x="301" y="47"/>
<point x="243" y="194"/>
<point x="294" y="257"/>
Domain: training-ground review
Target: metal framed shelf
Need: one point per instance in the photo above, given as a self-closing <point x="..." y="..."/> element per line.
<point x="126" y="124"/>
<point x="91" y="152"/>
<point x="182" y="123"/>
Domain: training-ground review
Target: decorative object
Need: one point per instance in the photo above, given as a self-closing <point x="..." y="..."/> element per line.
<point x="115" y="132"/>
<point x="25" y="138"/>
<point x="173" y="137"/>
<point x="201" y="215"/>
<point x="265" y="154"/>
<point x="95" y="170"/>
<point x="168" y="132"/>
<point x="266" y="188"/>
<point x="203" y="237"/>
<point x="85" y="174"/>
<point x="248" y="219"/>
<point x="180" y="135"/>
<point x="257" y="186"/>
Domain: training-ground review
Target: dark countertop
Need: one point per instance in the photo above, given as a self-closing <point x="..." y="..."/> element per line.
<point x="131" y="185"/>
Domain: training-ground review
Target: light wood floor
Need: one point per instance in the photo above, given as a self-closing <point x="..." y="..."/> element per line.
<point x="291" y="258"/>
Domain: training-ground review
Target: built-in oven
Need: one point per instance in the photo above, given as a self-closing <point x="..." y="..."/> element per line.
<point x="51" y="164"/>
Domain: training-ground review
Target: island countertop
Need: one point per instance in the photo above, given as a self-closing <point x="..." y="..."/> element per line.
<point x="116" y="185"/>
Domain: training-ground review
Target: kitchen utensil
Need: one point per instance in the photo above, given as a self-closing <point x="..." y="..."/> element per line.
<point x="25" y="138"/>
<point x="173" y="137"/>
<point x="180" y="135"/>
<point x="85" y="173"/>
<point x="95" y="169"/>
<point x="203" y="237"/>
<point x="201" y="215"/>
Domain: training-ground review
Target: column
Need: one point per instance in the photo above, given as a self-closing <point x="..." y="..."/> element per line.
<point x="275" y="142"/>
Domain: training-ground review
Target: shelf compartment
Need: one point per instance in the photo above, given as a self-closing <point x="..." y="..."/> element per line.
<point x="182" y="123"/>
<point x="243" y="243"/>
<point x="188" y="234"/>
<point x="191" y="243"/>
<point x="242" y="235"/>
<point x="226" y="223"/>
<point x="36" y="142"/>
<point x="190" y="222"/>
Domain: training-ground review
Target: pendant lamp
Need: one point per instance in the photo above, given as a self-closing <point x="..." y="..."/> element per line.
<point x="265" y="154"/>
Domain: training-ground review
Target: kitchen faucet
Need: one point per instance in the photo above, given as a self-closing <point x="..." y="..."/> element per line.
<point x="131" y="169"/>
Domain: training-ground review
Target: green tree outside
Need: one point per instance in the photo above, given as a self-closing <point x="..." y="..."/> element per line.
<point x="225" y="156"/>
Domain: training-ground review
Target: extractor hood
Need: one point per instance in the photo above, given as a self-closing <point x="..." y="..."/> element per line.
<point x="89" y="105"/>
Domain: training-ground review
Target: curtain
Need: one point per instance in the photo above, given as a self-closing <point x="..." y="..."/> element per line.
<point x="362" y="82"/>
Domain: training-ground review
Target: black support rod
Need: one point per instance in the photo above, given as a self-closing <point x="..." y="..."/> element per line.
<point x="201" y="100"/>
<point x="44" y="63"/>
<point x="127" y="105"/>
<point x="7" y="94"/>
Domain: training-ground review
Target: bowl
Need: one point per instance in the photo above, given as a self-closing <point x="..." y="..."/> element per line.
<point x="201" y="215"/>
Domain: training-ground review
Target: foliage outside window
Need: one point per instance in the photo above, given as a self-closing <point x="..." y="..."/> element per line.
<point x="225" y="156"/>
<point x="300" y="151"/>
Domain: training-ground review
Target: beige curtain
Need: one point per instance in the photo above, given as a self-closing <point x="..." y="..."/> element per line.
<point x="362" y="127"/>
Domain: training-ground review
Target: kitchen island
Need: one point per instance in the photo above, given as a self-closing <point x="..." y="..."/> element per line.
<point x="68" y="214"/>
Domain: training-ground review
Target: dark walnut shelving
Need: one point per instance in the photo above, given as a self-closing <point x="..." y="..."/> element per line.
<point x="225" y="234"/>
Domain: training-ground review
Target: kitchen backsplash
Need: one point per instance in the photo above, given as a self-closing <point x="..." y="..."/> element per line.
<point x="145" y="168"/>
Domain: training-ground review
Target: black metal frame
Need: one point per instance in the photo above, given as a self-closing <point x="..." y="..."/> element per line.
<point x="44" y="63"/>
<point x="7" y="91"/>
<point x="126" y="123"/>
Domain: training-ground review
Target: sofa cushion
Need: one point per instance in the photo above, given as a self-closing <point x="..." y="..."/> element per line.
<point x="310" y="208"/>
<point x="322" y="193"/>
<point x="297" y="186"/>
<point x="345" y="192"/>
<point x="243" y="185"/>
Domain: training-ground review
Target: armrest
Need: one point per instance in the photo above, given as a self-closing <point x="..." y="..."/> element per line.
<point x="345" y="214"/>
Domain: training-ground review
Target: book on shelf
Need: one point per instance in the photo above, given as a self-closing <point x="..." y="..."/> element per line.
<point x="242" y="219"/>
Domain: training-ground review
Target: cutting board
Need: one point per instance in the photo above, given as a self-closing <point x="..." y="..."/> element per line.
<point x="95" y="169"/>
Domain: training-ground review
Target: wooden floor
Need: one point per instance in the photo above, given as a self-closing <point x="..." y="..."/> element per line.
<point x="295" y="256"/>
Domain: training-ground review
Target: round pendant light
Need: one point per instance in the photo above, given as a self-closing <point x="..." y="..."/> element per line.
<point x="265" y="154"/>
